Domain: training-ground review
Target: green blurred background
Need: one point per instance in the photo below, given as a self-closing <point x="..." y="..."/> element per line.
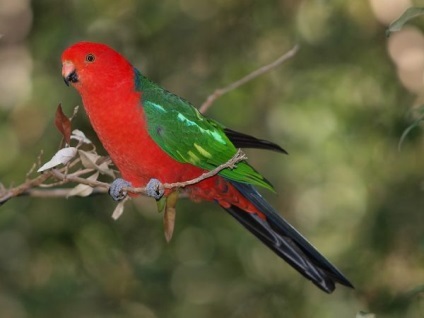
<point x="339" y="107"/>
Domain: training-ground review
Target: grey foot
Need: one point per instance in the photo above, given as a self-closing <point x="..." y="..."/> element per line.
<point x="116" y="189"/>
<point x="154" y="189"/>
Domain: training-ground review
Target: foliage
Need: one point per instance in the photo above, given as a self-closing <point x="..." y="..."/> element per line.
<point x="408" y="15"/>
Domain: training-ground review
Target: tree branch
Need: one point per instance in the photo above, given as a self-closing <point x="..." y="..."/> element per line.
<point x="230" y="164"/>
<point x="57" y="193"/>
<point x="7" y="194"/>
<point x="73" y="178"/>
<point x="264" y="69"/>
<point x="26" y="188"/>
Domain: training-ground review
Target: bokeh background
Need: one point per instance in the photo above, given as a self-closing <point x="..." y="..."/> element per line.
<point x="339" y="107"/>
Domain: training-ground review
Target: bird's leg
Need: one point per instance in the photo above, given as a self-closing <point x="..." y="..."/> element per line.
<point x="155" y="189"/>
<point x="116" y="189"/>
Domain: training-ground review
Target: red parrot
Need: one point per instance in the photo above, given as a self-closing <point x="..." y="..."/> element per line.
<point x="151" y="133"/>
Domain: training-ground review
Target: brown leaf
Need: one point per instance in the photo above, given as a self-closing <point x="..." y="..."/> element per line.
<point x="169" y="215"/>
<point x="63" y="124"/>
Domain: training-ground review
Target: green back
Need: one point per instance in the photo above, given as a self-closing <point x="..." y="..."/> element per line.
<point x="189" y="137"/>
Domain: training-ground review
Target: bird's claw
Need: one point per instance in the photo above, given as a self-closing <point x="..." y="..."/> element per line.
<point x="116" y="189"/>
<point x="154" y="189"/>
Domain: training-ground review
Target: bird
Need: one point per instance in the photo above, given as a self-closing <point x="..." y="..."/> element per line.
<point x="151" y="133"/>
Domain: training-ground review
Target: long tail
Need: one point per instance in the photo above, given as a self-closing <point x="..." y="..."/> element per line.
<point x="285" y="241"/>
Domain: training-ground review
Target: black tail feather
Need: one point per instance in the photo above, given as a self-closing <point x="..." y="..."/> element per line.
<point x="241" y="140"/>
<point x="285" y="241"/>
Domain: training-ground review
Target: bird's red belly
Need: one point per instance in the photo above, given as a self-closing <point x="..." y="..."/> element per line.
<point x="146" y="161"/>
<point x="139" y="158"/>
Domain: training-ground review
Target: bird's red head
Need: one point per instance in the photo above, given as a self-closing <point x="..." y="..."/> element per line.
<point x="92" y="66"/>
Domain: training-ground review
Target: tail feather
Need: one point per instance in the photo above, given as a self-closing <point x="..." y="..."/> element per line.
<point x="241" y="140"/>
<point x="286" y="241"/>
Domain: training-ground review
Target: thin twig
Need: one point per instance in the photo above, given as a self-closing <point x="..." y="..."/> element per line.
<point x="266" y="68"/>
<point x="72" y="178"/>
<point x="230" y="164"/>
<point x="75" y="112"/>
<point x="57" y="193"/>
<point x="17" y="191"/>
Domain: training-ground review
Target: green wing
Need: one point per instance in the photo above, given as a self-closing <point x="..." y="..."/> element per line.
<point x="188" y="137"/>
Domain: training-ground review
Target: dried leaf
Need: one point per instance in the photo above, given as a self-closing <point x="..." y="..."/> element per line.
<point x="119" y="209"/>
<point x="105" y="169"/>
<point x="63" y="124"/>
<point x="83" y="190"/>
<point x="104" y="159"/>
<point x="80" y="136"/>
<point x="63" y="156"/>
<point x="169" y="222"/>
<point x="90" y="160"/>
<point x="169" y="215"/>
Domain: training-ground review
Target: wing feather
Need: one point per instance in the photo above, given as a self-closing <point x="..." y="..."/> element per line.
<point x="189" y="137"/>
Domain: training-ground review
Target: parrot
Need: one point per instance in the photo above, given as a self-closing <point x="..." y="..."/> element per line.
<point x="151" y="133"/>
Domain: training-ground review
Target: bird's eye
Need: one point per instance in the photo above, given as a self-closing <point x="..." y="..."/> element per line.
<point x="90" y="58"/>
